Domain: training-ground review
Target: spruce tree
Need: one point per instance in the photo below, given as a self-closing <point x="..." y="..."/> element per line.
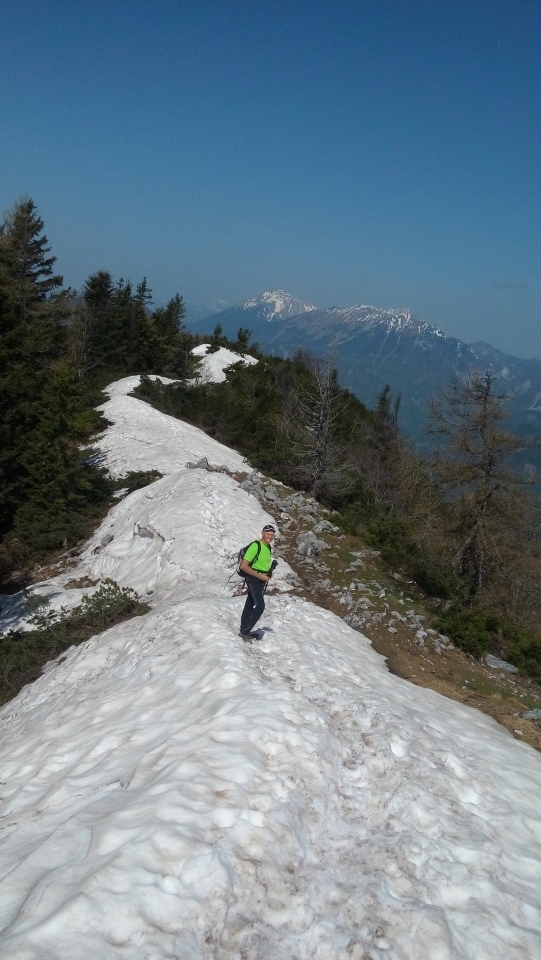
<point x="32" y="286"/>
<point x="60" y="486"/>
<point x="33" y="335"/>
<point x="174" y="342"/>
<point x="43" y="414"/>
<point x="98" y="298"/>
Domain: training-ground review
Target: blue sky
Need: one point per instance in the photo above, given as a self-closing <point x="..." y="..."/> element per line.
<point x="377" y="151"/>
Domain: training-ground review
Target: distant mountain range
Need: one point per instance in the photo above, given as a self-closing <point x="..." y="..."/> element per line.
<point x="372" y="347"/>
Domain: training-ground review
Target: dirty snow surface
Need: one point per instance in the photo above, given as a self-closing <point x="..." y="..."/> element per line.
<point x="169" y="791"/>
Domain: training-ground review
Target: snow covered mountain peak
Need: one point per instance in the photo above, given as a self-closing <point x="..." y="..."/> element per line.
<point x="277" y="303"/>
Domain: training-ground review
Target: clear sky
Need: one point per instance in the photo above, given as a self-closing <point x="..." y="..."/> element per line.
<point x="348" y="151"/>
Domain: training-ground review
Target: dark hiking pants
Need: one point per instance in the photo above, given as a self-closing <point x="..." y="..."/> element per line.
<point x="255" y="603"/>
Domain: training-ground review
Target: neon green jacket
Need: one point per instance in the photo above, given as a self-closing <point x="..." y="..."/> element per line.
<point x="264" y="560"/>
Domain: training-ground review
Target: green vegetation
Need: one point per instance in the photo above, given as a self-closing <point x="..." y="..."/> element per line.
<point x="525" y="653"/>
<point x="24" y="654"/>
<point x="46" y="485"/>
<point x="58" y="350"/>
<point x="135" y="479"/>
<point x="472" y="631"/>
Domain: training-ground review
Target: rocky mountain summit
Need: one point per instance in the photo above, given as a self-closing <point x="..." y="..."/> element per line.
<point x="255" y="313"/>
<point x="277" y="304"/>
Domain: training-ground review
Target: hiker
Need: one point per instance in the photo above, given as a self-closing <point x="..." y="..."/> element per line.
<point x="256" y="578"/>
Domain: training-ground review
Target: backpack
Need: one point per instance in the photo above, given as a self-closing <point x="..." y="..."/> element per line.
<point x="242" y="551"/>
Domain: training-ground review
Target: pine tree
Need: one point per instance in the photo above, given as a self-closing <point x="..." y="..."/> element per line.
<point x="174" y="342"/>
<point x="59" y="484"/>
<point x="169" y="319"/>
<point x="43" y="414"/>
<point x="243" y="339"/>
<point x="33" y="336"/>
<point x="143" y="293"/>
<point x="98" y="301"/>
<point x="32" y="286"/>
<point x="10" y="385"/>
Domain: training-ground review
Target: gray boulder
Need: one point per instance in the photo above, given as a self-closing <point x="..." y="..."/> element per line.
<point x="308" y="544"/>
<point x="496" y="664"/>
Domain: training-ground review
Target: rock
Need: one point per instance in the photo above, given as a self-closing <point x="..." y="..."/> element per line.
<point x="496" y="664"/>
<point x="308" y="544"/>
<point x="139" y="531"/>
<point x="323" y="526"/>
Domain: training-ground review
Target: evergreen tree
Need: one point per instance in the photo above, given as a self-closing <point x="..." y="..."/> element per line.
<point x="32" y="281"/>
<point x="115" y="315"/>
<point x="124" y="329"/>
<point x="43" y="413"/>
<point x="175" y="342"/>
<point x="217" y="339"/>
<point x="98" y="293"/>
<point x="143" y="293"/>
<point x="169" y="319"/>
<point x="98" y="297"/>
<point x="10" y="385"/>
<point x="59" y="485"/>
<point x="243" y="339"/>
<point x="33" y="336"/>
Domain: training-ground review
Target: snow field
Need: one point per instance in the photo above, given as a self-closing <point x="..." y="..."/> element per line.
<point x="171" y="792"/>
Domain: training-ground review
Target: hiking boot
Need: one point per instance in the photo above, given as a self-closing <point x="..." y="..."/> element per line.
<point x="247" y="637"/>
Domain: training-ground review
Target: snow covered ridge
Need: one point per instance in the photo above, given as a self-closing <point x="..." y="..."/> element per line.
<point x="400" y="320"/>
<point x="213" y="366"/>
<point x="280" y="304"/>
<point x="171" y="792"/>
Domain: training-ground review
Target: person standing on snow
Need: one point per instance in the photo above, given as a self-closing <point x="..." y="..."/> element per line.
<point x="256" y="566"/>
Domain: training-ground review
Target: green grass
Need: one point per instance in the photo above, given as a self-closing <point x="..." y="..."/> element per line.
<point x="485" y="687"/>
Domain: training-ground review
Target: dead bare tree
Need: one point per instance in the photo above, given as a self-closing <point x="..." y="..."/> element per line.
<point x="488" y="509"/>
<point x="313" y="411"/>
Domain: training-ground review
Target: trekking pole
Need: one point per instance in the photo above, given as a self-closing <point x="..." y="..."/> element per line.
<point x="274" y="564"/>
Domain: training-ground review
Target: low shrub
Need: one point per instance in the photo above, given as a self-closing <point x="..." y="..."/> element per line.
<point x="24" y="654"/>
<point x="136" y="479"/>
<point x="434" y="578"/>
<point x="469" y="630"/>
<point x="526" y="655"/>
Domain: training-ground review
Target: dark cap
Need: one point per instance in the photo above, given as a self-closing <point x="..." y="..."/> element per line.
<point x="269" y="526"/>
